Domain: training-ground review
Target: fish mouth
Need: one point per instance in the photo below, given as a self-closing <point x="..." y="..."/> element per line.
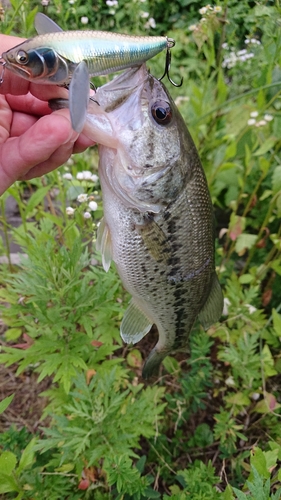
<point x="113" y="94"/>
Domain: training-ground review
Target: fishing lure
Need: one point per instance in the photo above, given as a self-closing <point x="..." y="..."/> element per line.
<point x="60" y="57"/>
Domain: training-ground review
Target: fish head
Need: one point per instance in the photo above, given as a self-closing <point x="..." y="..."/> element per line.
<point x="146" y="122"/>
<point x="40" y="64"/>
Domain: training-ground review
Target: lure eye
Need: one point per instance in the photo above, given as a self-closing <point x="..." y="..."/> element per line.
<point x="161" y="112"/>
<point x="22" y="57"/>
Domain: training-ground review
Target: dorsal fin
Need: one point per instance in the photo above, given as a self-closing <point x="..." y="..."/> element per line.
<point x="43" y="24"/>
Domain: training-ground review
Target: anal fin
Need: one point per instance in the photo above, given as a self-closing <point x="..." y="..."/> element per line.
<point x="135" y="325"/>
<point x="103" y="244"/>
<point x="212" y="309"/>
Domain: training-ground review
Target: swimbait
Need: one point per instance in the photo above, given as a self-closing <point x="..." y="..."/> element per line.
<point x="158" y="224"/>
<point x="59" y="57"/>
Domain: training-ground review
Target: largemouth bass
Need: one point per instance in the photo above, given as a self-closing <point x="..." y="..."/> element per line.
<point x="57" y="57"/>
<point x="158" y="224"/>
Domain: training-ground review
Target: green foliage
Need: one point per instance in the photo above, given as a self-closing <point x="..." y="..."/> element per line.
<point x="210" y="426"/>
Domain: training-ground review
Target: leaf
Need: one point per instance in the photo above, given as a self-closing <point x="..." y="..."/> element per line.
<point x="36" y="198"/>
<point x="27" y="456"/>
<point x="276" y="322"/>
<point x="267" y="405"/>
<point x="276" y="179"/>
<point x="171" y="365"/>
<point x="134" y="358"/>
<point x="239" y="399"/>
<point x="240" y="495"/>
<point x="13" y="333"/>
<point x="258" y="460"/>
<point x="5" y="403"/>
<point x="236" y="226"/>
<point x="268" y="362"/>
<point x="245" y="241"/>
<point x="7" y="462"/>
<point x="7" y="483"/>
<point x="266" y="146"/>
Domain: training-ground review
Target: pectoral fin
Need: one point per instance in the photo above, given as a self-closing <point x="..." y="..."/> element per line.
<point x="135" y="325"/>
<point x="155" y="240"/>
<point x="43" y="24"/>
<point x="212" y="309"/>
<point x="79" y="93"/>
<point x="104" y="245"/>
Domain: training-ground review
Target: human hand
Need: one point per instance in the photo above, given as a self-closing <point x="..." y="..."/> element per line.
<point x="33" y="140"/>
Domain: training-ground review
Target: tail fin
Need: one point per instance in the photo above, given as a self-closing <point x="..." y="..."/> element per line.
<point x="153" y="362"/>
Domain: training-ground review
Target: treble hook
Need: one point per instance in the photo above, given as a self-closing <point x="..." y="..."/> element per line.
<point x="3" y="64"/>
<point x="171" y="43"/>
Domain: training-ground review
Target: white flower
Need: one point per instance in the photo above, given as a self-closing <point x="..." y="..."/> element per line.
<point x="192" y="27"/>
<point x="251" y="308"/>
<point x="111" y="3"/>
<point x="261" y="123"/>
<point x="225" y="45"/>
<point x="268" y="118"/>
<point x="70" y="162"/>
<point x="255" y="396"/>
<point x="242" y="52"/>
<point x="217" y="8"/>
<point x="251" y="121"/>
<point x="94" y="178"/>
<point x="255" y="41"/>
<point x="70" y="210"/>
<point x="87" y="215"/>
<point x="144" y="15"/>
<point x="67" y="176"/>
<point x="254" y="114"/>
<point x="84" y="20"/>
<point x="230" y="381"/>
<point x="226" y="303"/>
<point x="82" y="197"/>
<point x="85" y="175"/>
<point x="92" y="206"/>
<point x="152" y="22"/>
<point x="203" y="10"/>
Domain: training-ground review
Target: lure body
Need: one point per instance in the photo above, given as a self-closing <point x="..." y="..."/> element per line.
<point x="52" y="57"/>
<point x="57" y="57"/>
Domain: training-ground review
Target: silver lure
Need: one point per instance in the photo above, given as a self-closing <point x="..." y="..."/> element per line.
<point x="59" y="57"/>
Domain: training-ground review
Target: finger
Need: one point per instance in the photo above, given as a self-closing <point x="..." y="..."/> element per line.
<point x="21" y="122"/>
<point x="18" y="155"/>
<point x="28" y="104"/>
<point x="83" y="142"/>
<point x="59" y="157"/>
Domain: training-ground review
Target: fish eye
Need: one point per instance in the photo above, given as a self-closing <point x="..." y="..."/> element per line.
<point x="161" y="112"/>
<point x="22" y="57"/>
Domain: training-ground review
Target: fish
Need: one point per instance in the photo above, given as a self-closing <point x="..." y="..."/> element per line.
<point x="57" y="57"/>
<point x="158" y="224"/>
